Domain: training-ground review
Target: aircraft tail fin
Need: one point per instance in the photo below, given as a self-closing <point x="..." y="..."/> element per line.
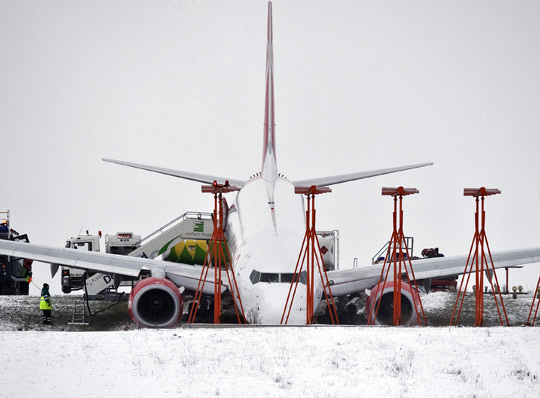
<point x="269" y="163"/>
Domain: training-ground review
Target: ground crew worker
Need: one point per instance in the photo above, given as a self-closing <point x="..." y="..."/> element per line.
<point x="45" y="304"/>
<point x="27" y="264"/>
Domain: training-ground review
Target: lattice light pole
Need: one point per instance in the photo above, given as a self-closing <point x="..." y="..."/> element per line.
<point x="218" y="254"/>
<point x="480" y="262"/>
<point x="310" y="254"/>
<point x="398" y="259"/>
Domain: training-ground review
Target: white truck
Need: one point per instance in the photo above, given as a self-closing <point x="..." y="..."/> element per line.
<point x="184" y="239"/>
<point x="121" y="243"/>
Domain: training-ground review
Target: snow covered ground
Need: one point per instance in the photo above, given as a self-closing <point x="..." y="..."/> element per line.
<point x="315" y="361"/>
<point x="274" y="362"/>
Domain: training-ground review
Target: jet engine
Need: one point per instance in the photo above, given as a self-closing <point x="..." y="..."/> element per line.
<point x="155" y="303"/>
<point x="385" y="294"/>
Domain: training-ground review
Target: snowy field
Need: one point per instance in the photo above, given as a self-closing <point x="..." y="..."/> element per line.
<point x="317" y="361"/>
<point x="274" y="362"/>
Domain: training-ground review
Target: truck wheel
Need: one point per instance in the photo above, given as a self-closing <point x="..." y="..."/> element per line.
<point x="24" y="287"/>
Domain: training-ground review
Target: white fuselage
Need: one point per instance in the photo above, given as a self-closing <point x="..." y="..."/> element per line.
<point x="264" y="257"/>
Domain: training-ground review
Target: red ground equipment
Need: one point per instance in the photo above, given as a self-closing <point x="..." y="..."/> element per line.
<point x="397" y="258"/>
<point x="310" y="253"/>
<point x="218" y="254"/>
<point x="479" y="263"/>
<point x="535" y="297"/>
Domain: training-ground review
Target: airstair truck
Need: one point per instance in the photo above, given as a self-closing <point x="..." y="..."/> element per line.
<point x="15" y="273"/>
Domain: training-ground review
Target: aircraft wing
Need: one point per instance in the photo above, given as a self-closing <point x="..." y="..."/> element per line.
<point x="187" y="175"/>
<point x="339" y="179"/>
<point x="185" y="275"/>
<point x="354" y="280"/>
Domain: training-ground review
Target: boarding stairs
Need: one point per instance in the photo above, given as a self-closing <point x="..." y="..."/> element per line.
<point x="380" y="256"/>
<point x="190" y="225"/>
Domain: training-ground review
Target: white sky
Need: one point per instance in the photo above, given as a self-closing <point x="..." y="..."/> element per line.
<point x="359" y="85"/>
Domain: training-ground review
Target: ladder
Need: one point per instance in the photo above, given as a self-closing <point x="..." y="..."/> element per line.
<point x="410" y="245"/>
<point x="79" y="312"/>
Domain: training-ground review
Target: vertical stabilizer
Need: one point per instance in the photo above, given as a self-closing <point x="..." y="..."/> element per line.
<point x="269" y="170"/>
<point x="269" y="163"/>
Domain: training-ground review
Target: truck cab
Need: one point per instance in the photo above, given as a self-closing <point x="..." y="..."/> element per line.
<point x="121" y="243"/>
<point x="15" y="272"/>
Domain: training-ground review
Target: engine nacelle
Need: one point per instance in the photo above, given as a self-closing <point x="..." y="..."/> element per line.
<point x="385" y="294"/>
<point x="155" y="303"/>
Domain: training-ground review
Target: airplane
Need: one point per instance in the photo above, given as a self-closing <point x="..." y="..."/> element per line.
<point x="264" y="229"/>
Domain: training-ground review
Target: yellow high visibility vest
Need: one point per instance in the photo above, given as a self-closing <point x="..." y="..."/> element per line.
<point x="43" y="305"/>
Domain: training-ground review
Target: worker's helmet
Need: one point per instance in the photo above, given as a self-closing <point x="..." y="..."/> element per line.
<point x="45" y="285"/>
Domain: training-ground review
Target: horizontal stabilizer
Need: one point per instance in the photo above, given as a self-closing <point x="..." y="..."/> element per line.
<point x="339" y="179"/>
<point x="187" y="175"/>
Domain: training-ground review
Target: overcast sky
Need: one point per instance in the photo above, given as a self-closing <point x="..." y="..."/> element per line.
<point x="359" y="85"/>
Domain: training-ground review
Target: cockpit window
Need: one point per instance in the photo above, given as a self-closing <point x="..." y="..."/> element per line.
<point x="270" y="277"/>
<point x="286" y="278"/>
<point x="255" y="276"/>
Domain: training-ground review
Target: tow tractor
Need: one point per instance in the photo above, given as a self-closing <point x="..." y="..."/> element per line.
<point x="15" y="272"/>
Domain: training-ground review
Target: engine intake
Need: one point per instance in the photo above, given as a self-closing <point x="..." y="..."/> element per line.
<point x="155" y="303"/>
<point x="385" y="294"/>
